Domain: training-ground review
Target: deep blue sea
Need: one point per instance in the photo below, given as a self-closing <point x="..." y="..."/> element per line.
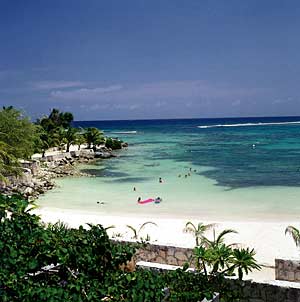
<point x="240" y="152"/>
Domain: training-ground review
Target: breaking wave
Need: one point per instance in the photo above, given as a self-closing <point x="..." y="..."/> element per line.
<point x="248" y="124"/>
<point x="124" y="132"/>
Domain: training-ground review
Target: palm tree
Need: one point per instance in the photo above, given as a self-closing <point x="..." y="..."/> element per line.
<point x="243" y="260"/>
<point x="93" y="137"/>
<point x="80" y="140"/>
<point x="219" y="240"/>
<point x="198" y="231"/>
<point x="136" y="233"/>
<point x="71" y="137"/>
<point x="295" y="233"/>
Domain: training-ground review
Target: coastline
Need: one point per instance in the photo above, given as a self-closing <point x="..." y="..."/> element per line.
<point x="39" y="173"/>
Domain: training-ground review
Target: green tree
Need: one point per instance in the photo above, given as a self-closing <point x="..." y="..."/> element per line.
<point x="80" y="140"/>
<point x="9" y="164"/>
<point x="17" y="132"/>
<point x="114" y="144"/>
<point x="56" y="129"/>
<point x="198" y="230"/>
<point x="217" y="258"/>
<point x="71" y="135"/>
<point x="93" y="137"/>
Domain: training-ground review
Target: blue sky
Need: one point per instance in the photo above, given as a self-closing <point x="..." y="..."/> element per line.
<point x="151" y="59"/>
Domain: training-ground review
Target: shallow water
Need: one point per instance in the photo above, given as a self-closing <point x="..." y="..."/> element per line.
<point x="236" y="173"/>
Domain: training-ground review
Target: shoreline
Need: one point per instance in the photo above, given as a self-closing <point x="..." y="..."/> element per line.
<point x="39" y="173"/>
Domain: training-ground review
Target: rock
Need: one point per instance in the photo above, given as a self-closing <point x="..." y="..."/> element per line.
<point x="28" y="191"/>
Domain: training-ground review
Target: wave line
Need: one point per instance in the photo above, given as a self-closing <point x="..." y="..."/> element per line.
<point x="248" y="124"/>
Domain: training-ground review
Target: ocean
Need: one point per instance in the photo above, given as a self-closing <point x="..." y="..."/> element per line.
<point x="213" y="169"/>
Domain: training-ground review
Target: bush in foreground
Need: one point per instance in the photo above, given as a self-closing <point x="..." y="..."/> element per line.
<point x="87" y="266"/>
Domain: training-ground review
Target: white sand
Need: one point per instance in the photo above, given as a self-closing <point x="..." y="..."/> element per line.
<point x="267" y="238"/>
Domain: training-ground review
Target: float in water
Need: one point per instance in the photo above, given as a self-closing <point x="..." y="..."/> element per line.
<point x="149" y="200"/>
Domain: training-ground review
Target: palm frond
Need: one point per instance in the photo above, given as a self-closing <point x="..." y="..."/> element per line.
<point x="145" y="223"/>
<point x="133" y="230"/>
<point x="294" y="232"/>
<point x="189" y="227"/>
<point x="220" y="238"/>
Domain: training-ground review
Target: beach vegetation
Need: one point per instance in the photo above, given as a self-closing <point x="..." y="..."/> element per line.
<point x="9" y="164"/>
<point x="17" y="140"/>
<point x="70" y="137"/>
<point x="215" y="257"/>
<point x="295" y="233"/>
<point x="53" y="262"/>
<point x="93" y="137"/>
<point x="198" y="230"/>
<point x="17" y="132"/>
<point x="137" y="232"/>
<point x="113" y="144"/>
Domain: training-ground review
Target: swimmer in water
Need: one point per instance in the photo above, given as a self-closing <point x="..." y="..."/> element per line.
<point x="134" y="189"/>
<point x="160" y="180"/>
<point x="139" y="199"/>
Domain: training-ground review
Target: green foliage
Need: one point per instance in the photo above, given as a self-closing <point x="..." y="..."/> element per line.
<point x="9" y="164"/>
<point x="71" y="137"/>
<point x="137" y="232"/>
<point x="93" y="137"/>
<point x="197" y="231"/>
<point x="56" y="119"/>
<point x="295" y="233"/>
<point x="88" y="267"/>
<point x="216" y="258"/>
<point x="85" y="257"/>
<point x="114" y="144"/>
<point x="56" y="131"/>
<point x="17" y="132"/>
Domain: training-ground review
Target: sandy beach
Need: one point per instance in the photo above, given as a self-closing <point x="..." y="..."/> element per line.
<point x="267" y="238"/>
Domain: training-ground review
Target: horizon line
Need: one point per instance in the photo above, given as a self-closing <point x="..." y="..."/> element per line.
<point x="188" y="118"/>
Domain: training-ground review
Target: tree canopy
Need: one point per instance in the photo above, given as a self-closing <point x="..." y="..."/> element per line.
<point x="17" y="132"/>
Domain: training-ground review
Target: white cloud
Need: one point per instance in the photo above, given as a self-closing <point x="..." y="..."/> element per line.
<point x="195" y="89"/>
<point x="84" y="93"/>
<point x="48" y="85"/>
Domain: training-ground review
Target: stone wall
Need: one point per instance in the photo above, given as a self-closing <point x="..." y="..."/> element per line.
<point x="165" y="254"/>
<point x="268" y="291"/>
<point x="287" y="269"/>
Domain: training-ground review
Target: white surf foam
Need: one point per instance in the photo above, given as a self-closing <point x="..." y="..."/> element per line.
<point x="124" y="132"/>
<point x="248" y="124"/>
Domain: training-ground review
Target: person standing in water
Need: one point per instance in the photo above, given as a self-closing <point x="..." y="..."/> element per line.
<point x="160" y="180"/>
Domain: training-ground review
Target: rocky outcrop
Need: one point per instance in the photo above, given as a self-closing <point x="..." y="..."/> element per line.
<point x="38" y="175"/>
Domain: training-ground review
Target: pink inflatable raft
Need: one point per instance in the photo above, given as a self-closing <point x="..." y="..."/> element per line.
<point x="157" y="200"/>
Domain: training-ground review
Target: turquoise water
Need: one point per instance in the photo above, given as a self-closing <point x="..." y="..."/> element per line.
<point x="244" y="169"/>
